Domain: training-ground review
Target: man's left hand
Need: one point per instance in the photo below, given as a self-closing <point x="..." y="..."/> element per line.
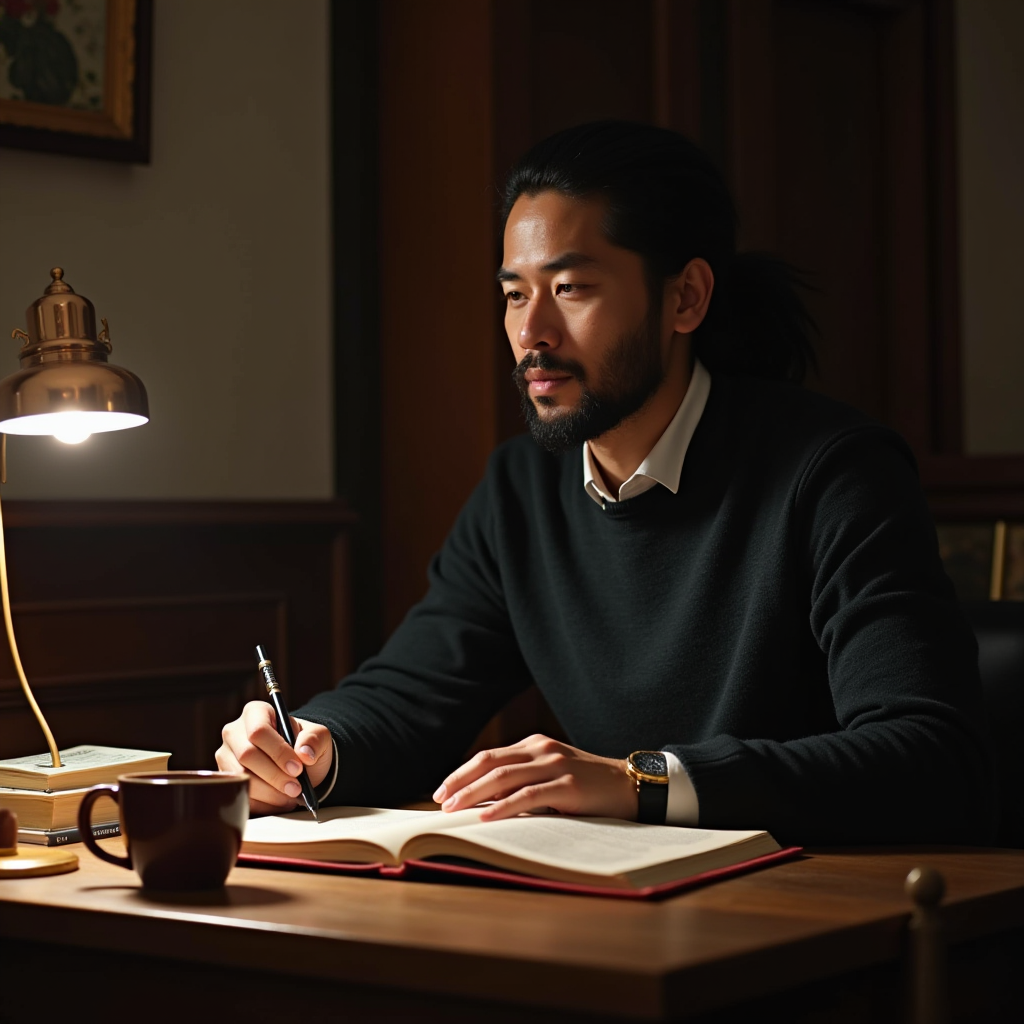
<point x="539" y="773"/>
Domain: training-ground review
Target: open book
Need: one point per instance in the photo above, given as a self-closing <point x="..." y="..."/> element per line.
<point x="587" y="851"/>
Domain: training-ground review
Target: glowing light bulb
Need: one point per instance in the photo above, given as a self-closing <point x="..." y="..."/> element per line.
<point x="73" y="433"/>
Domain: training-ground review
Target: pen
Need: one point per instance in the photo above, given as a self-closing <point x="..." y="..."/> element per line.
<point x="284" y="725"/>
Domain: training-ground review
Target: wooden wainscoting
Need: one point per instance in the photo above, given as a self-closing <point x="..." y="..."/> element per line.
<point x="136" y="621"/>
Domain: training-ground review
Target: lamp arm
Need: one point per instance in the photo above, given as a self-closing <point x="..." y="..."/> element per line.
<point x="9" y="623"/>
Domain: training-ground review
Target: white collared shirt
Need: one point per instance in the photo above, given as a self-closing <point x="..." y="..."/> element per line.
<point x="663" y="465"/>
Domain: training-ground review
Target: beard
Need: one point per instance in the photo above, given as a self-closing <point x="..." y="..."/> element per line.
<point x="631" y="372"/>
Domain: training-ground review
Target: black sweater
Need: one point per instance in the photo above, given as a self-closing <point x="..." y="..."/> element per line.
<point x="782" y="624"/>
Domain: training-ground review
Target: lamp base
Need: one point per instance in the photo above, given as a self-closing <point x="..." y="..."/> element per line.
<point x="40" y="862"/>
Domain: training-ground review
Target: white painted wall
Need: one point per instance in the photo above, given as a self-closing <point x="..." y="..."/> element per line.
<point x="990" y="70"/>
<point x="212" y="265"/>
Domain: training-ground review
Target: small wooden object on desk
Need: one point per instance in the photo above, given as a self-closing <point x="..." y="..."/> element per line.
<point x="24" y="865"/>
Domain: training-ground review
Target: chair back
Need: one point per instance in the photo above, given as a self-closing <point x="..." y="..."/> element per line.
<point x="999" y="627"/>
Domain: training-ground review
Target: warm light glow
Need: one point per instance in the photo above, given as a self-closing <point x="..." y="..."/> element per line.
<point x="72" y="433"/>
<point x="71" y="427"/>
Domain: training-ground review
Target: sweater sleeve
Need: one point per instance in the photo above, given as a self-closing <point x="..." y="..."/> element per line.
<point x="909" y="761"/>
<point x="407" y="716"/>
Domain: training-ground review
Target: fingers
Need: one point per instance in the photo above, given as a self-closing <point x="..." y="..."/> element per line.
<point x="315" y="748"/>
<point x="478" y="766"/>
<point x="540" y="773"/>
<point x="504" y="779"/>
<point x="263" y="799"/>
<point x="262" y="752"/>
<point x="555" y="794"/>
<point x="253" y="745"/>
<point x="489" y="774"/>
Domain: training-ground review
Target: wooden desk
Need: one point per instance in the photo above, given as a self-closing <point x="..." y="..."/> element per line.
<point x="825" y="931"/>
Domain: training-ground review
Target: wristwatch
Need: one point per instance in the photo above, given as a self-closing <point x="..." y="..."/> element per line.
<point x="649" y="770"/>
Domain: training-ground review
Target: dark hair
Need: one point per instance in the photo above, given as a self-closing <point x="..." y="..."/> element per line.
<point x="668" y="203"/>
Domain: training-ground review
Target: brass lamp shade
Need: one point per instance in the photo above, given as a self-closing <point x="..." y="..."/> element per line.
<point x="65" y="385"/>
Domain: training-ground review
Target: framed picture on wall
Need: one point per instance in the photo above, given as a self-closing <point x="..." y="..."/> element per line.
<point x="75" y="77"/>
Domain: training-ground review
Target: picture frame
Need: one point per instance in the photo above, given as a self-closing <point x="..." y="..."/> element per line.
<point x="76" y="77"/>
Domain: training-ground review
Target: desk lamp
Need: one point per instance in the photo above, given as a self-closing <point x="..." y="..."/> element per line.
<point x="65" y="388"/>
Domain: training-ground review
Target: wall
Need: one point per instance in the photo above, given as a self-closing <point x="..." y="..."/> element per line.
<point x="990" y="67"/>
<point x="212" y="265"/>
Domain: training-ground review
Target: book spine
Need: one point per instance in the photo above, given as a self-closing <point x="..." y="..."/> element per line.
<point x="64" y="836"/>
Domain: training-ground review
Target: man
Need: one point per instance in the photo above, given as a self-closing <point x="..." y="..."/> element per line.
<point x="707" y="563"/>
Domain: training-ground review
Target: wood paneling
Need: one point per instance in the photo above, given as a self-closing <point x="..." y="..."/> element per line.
<point x="437" y="278"/>
<point x="947" y="386"/>
<point x="355" y="230"/>
<point x="676" y="66"/>
<point x="977" y="487"/>
<point x="841" y="150"/>
<point x="750" y="88"/>
<point x="829" y="173"/>
<point x="587" y="59"/>
<point x="828" y="159"/>
<point x="136" y="621"/>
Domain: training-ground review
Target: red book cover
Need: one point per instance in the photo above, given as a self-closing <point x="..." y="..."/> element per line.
<point x="466" y="873"/>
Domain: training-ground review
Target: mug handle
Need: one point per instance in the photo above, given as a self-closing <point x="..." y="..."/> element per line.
<point x="85" y="824"/>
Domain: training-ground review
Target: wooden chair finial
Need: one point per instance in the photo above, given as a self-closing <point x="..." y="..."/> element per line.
<point x="929" y="999"/>
<point x="926" y="887"/>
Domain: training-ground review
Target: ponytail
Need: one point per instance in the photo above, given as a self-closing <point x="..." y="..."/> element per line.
<point x="757" y="324"/>
<point x="668" y="203"/>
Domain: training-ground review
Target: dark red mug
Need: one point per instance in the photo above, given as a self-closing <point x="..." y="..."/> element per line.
<point x="183" y="830"/>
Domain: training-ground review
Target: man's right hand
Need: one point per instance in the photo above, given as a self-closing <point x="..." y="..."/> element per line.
<point x="253" y="745"/>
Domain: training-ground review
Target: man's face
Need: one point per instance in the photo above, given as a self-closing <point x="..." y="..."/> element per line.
<point x="588" y="342"/>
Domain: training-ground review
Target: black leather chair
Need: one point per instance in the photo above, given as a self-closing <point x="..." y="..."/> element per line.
<point x="999" y="627"/>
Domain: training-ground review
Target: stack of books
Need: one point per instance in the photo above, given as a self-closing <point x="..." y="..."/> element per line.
<point x="46" y="799"/>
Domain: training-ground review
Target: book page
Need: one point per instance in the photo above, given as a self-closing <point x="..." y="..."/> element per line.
<point x="384" y="827"/>
<point x="595" y="845"/>
<point x="297" y="834"/>
<point x="79" y="758"/>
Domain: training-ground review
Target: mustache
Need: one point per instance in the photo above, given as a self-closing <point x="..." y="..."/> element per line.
<point x="545" y="361"/>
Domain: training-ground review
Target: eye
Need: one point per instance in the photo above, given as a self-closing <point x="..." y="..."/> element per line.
<point x="565" y="289"/>
<point x="513" y="296"/>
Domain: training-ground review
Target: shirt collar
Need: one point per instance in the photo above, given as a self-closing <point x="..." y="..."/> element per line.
<point x="664" y="462"/>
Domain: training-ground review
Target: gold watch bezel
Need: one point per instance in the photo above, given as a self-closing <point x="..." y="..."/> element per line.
<point x="638" y="776"/>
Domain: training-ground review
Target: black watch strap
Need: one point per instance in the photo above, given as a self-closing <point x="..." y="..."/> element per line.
<point x="652" y="800"/>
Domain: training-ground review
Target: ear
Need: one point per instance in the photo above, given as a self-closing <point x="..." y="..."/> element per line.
<point x="688" y="296"/>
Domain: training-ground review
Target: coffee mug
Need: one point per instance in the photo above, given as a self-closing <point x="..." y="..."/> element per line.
<point x="183" y="830"/>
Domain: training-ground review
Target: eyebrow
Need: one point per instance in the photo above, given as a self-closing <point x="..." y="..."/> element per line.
<point x="567" y="261"/>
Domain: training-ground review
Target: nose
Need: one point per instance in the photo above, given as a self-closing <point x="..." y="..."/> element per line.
<point x="537" y="328"/>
